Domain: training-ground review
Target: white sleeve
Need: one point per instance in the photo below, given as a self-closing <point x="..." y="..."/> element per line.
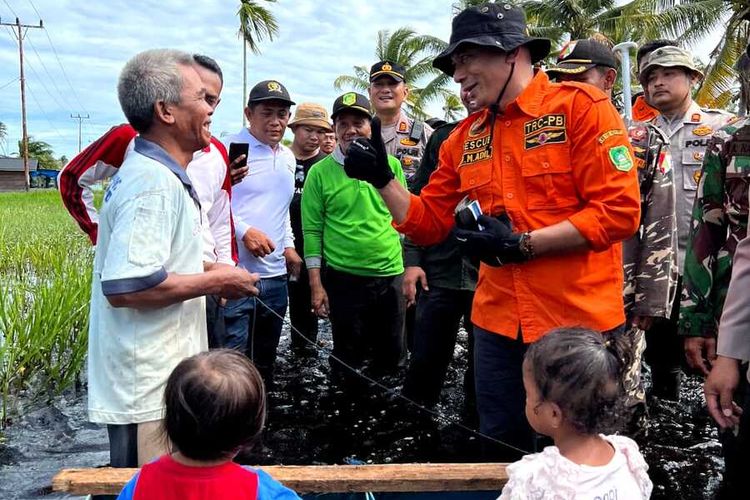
<point x="219" y="217"/>
<point x="288" y="234"/>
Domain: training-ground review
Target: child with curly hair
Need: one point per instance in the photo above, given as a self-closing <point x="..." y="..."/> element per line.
<point x="572" y="378"/>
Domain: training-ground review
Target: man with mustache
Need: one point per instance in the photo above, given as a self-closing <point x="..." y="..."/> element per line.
<point x="551" y="168"/>
<point x="668" y="75"/>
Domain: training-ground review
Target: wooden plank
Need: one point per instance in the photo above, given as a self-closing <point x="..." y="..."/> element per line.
<point x="322" y="479"/>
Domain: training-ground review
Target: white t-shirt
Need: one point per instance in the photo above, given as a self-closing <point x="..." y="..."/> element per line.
<point x="261" y="201"/>
<point x="149" y="226"/>
<point x="549" y="475"/>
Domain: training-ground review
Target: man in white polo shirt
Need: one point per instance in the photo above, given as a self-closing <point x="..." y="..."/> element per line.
<point x="208" y="171"/>
<point x="147" y="306"/>
<point x="260" y="205"/>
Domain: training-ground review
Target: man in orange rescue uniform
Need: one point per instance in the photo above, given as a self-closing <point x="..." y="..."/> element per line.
<point x="552" y="169"/>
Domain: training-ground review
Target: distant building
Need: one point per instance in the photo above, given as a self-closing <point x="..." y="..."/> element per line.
<point x="11" y="173"/>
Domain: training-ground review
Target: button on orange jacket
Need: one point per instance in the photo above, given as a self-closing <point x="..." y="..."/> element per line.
<point x="560" y="151"/>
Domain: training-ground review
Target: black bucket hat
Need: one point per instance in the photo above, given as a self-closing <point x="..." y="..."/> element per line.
<point x="498" y="25"/>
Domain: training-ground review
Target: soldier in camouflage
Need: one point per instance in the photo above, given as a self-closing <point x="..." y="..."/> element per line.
<point x="668" y="75"/>
<point x="648" y="257"/>
<point x="719" y="222"/>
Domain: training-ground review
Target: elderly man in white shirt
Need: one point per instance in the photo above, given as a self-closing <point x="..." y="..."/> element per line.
<point x="147" y="306"/>
<point x="260" y="204"/>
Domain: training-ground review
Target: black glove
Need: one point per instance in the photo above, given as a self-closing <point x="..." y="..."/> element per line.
<point x="496" y="244"/>
<point x="367" y="160"/>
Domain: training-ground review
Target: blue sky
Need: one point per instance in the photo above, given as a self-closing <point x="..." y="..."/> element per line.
<point x="73" y="67"/>
<point x="318" y="41"/>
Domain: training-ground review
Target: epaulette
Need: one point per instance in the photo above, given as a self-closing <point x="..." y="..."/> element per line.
<point x="594" y="93"/>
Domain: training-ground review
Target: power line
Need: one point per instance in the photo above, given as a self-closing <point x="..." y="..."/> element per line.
<point x="11" y="8"/>
<point x="51" y="78"/>
<point x="41" y="82"/>
<point x="59" y="62"/>
<point x="45" y="115"/>
<point x="80" y="122"/>
<point x="25" y="139"/>
<point x="9" y="83"/>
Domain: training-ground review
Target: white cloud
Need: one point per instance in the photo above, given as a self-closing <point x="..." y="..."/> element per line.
<point x="317" y="42"/>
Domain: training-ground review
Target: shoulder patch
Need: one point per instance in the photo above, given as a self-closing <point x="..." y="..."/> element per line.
<point x="610" y="133"/>
<point x="621" y="158"/>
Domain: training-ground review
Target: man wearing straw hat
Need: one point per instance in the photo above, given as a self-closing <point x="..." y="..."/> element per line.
<point x="310" y="125"/>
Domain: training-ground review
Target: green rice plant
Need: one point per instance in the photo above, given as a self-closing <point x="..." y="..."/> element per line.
<point x="45" y="286"/>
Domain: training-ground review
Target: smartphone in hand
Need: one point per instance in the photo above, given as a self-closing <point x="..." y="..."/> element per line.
<point x="235" y="151"/>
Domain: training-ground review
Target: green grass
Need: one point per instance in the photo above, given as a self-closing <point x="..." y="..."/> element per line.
<point x="45" y="286"/>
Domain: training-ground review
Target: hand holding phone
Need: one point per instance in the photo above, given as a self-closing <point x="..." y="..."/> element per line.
<point x="238" y="161"/>
<point x="236" y="150"/>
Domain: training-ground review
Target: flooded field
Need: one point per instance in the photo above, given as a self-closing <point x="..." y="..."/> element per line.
<point x="310" y="423"/>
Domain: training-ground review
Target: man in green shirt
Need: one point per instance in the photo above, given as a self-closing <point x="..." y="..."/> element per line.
<point x="346" y="225"/>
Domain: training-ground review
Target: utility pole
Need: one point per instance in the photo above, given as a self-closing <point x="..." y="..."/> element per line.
<point x="25" y="139"/>
<point x="80" y="121"/>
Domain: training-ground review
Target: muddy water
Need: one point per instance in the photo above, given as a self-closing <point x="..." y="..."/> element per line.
<point x="310" y="423"/>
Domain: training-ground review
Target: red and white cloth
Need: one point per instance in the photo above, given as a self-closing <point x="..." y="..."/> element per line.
<point x="208" y="171"/>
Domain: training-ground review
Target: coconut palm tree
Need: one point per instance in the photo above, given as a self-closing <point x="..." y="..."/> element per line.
<point x="453" y="108"/>
<point x="256" y="23"/>
<point x="415" y="53"/>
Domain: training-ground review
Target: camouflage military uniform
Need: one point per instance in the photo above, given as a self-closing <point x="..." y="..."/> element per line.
<point x="649" y="256"/>
<point x="406" y="142"/>
<point x="719" y="222"/>
<point x="649" y="262"/>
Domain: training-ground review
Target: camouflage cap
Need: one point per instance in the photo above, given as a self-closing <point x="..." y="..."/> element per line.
<point x="667" y="57"/>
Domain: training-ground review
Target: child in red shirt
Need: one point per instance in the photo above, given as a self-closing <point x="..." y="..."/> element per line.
<point x="215" y="405"/>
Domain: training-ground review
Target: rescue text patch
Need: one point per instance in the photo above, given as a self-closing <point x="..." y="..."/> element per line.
<point x="476" y="150"/>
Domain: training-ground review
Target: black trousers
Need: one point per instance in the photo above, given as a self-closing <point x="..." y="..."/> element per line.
<point x="300" y="311"/>
<point x="215" y="322"/>
<point x="438" y="315"/>
<point x="665" y="353"/>
<point x="367" y="318"/>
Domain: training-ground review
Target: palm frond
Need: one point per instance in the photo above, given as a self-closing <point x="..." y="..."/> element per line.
<point x="256" y="23"/>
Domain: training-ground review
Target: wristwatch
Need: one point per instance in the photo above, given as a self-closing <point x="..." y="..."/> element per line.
<point x="524" y="245"/>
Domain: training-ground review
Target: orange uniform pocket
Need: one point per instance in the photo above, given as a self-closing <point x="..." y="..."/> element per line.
<point x="474" y="177"/>
<point x="548" y="181"/>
